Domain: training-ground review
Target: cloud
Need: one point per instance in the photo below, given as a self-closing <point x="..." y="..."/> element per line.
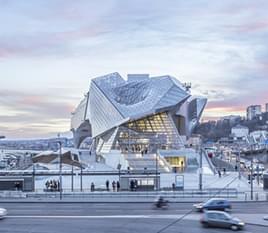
<point x="251" y="27"/>
<point x="40" y="114"/>
<point x="219" y="46"/>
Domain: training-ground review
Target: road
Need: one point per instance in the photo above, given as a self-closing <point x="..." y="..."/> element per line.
<point x="115" y="218"/>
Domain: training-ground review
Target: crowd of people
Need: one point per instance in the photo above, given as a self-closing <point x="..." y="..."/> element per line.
<point x="52" y="185"/>
<point x="115" y="186"/>
<point x="224" y="172"/>
<point x="133" y="185"/>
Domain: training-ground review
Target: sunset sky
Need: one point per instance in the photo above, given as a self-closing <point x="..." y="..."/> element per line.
<point x="50" y="49"/>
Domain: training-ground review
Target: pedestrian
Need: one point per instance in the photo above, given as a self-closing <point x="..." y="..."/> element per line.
<point x="135" y="185"/>
<point x="47" y="185"/>
<point x="173" y="186"/>
<point x="92" y="187"/>
<point x="107" y="185"/>
<point x="224" y="171"/>
<point x="113" y="185"/>
<point x="182" y="165"/>
<point x="58" y="185"/>
<point x="219" y="172"/>
<point x="132" y="185"/>
<point x="118" y="186"/>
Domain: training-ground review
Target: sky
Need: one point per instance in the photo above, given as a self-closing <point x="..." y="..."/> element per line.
<point x="50" y="49"/>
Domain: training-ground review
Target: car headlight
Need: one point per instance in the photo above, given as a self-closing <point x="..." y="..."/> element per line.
<point x="241" y="223"/>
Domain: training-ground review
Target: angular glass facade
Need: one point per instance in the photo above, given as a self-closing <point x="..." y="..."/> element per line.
<point x="142" y="114"/>
<point x="148" y="135"/>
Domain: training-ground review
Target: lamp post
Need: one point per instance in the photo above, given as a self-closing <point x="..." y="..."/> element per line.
<point x="239" y="158"/>
<point x="60" y="160"/>
<point x="119" y="169"/>
<point x="72" y="178"/>
<point x="156" y="171"/>
<point x="258" y="173"/>
<point x="200" y="170"/>
<point x="33" y="181"/>
<point x="251" y="180"/>
<point x="81" y="178"/>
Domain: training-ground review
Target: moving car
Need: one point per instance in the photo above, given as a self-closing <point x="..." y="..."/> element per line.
<point x="212" y="218"/>
<point x="213" y="204"/>
<point x="3" y="213"/>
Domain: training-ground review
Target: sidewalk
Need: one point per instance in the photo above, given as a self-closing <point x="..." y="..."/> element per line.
<point x="253" y="219"/>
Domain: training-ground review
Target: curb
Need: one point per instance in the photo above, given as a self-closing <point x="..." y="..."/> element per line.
<point x="107" y="202"/>
<point x="257" y="224"/>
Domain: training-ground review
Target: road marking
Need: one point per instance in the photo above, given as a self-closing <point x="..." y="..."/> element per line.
<point x="190" y="217"/>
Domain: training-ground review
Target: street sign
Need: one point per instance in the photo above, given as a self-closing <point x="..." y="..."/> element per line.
<point x="179" y="182"/>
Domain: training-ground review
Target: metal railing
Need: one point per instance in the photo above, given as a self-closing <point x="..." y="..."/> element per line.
<point x="171" y="195"/>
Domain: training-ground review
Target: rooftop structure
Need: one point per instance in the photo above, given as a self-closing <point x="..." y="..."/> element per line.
<point x="253" y="111"/>
<point x="240" y="132"/>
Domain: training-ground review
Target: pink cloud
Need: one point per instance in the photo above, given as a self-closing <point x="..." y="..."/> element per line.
<point x="237" y="104"/>
<point x="6" y="52"/>
<point x="77" y="34"/>
<point x="253" y="27"/>
<point x="249" y="27"/>
<point x="32" y="100"/>
<point x="43" y="44"/>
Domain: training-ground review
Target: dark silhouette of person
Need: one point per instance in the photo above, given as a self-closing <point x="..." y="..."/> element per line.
<point x="113" y="185"/>
<point x="132" y="185"/>
<point x="92" y="187"/>
<point x="107" y="185"/>
<point x="135" y="185"/>
<point x="118" y="186"/>
<point x="173" y="187"/>
<point x="219" y="172"/>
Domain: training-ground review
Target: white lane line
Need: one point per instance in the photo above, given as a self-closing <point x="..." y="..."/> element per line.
<point x="77" y="217"/>
<point x="189" y="217"/>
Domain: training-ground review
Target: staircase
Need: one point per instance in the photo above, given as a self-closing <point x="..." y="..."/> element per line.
<point x="220" y="164"/>
<point x="138" y="162"/>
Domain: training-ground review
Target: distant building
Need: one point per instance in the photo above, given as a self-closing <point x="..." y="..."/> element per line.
<point x="239" y="132"/>
<point x="266" y="107"/>
<point x="253" y="111"/>
<point x="231" y="118"/>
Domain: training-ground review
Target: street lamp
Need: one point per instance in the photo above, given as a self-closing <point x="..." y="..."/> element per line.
<point x="200" y="169"/>
<point x="251" y="175"/>
<point x="251" y="180"/>
<point x="156" y="171"/>
<point x="60" y="161"/>
<point x="239" y="164"/>
<point x="239" y="159"/>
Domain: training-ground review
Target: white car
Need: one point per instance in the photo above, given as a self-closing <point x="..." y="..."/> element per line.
<point x="3" y="213"/>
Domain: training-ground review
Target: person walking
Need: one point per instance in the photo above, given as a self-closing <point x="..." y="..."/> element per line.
<point x="132" y="185"/>
<point x="107" y="185"/>
<point x="118" y="186"/>
<point x="219" y="172"/>
<point x="173" y="187"/>
<point x="92" y="187"/>
<point x="113" y="185"/>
